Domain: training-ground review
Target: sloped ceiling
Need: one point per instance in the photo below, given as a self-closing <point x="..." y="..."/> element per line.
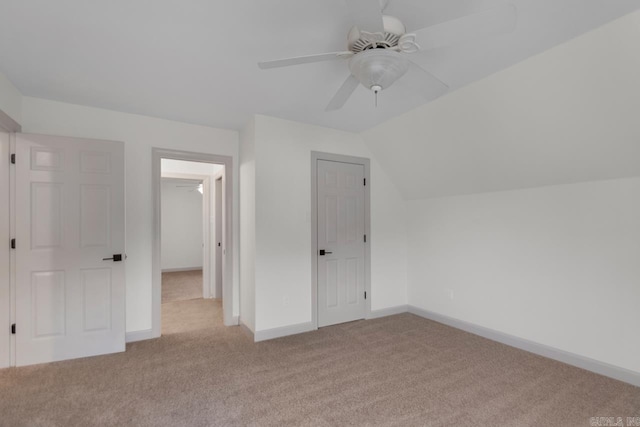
<point x="195" y="60"/>
<point x="568" y="115"/>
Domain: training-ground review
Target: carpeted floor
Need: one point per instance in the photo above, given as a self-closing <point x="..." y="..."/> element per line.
<point x="183" y="308"/>
<point x="396" y="371"/>
<point x="181" y="285"/>
<point x="191" y="315"/>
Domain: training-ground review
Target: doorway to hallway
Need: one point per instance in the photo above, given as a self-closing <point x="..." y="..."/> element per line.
<point x="192" y="274"/>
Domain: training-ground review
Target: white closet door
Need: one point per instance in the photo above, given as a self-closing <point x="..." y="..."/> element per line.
<point x="70" y="301"/>
<point x="341" y="255"/>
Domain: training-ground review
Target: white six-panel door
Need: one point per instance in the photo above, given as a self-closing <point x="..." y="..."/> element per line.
<point x="69" y="216"/>
<point x="341" y="229"/>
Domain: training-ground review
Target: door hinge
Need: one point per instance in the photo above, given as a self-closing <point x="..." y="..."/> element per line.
<point x="365" y="294"/>
<point x="365" y="181"/>
<point x="365" y="238"/>
<point x="13" y="243"/>
<point x="13" y="329"/>
<point x="13" y="158"/>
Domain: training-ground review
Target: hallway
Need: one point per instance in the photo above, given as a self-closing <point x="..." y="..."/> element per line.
<point x="183" y="308"/>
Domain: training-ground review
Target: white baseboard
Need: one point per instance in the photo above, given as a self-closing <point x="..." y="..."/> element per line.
<point x="175" y="270"/>
<point x="232" y="321"/>
<point x="300" y="328"/>
<point x="573" y="359"/>
<point x="247" y="330"/>
<point x="269" y="334"/>
<point x="389" y="311"/>
<point x="134" y="336"/>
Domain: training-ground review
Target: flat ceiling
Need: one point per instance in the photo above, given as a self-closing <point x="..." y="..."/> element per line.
<point x="195" y="61"/>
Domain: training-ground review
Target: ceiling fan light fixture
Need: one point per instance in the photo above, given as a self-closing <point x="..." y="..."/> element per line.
<point x="378" y="69"/>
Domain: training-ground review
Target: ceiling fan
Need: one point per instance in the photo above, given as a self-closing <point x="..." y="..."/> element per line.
<point x="379" y="47"/>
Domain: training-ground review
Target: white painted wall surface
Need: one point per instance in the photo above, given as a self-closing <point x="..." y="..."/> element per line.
<point x="10" y="99"/>
<point x="140" y="134"/>
<point x="555" y="265"/>
<point x="182" y="231"/>
<point x="283" y="222"/>
<point x="248" y="226"/>
<point x="185" y="167"/>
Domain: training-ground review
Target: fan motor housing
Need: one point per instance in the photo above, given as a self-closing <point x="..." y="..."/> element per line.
<point x="359" y="41"/>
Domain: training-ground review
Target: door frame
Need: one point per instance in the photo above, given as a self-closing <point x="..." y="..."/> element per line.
<point x="214" y="279"/>
<point x="156" y="281"/>
<point x="315" y="156"/>
<point x="6" y="267"/>
<point x="7" y="256"/>
<point x="206" y="226"/>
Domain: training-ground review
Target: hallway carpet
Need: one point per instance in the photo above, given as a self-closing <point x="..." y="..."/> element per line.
<point x="396" y="371"/>
<point x="191" y="315"/>
<point x="181" y="285"/>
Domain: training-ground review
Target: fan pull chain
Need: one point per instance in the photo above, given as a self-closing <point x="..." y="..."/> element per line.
<point x="376" y="89"/>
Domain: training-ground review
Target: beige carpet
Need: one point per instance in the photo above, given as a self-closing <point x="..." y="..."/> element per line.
<point x="396" y="371"/>
<point x="191" y="315"/>
<point x="181" y="285"/>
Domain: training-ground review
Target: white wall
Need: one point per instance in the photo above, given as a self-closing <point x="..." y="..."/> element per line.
<point x="182" y="231"/>
<point x="283" y="222"/>
<point x="140" y="134"/>
<point x="10" y="99"/>
<point x="555" y="265"/>
<point x="247" y="225"/>
<point x="187" y="167"/>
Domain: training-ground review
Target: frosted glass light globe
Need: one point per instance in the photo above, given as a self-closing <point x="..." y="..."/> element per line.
<point x="378" y="67"/>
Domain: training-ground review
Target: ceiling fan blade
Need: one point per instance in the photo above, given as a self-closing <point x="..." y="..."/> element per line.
<point x="343" y="94"/>
<point x="367" y="15"/>
<point x="424" y="82"/>
<point x="497" y="20"/>
<point x="304" y="59"/>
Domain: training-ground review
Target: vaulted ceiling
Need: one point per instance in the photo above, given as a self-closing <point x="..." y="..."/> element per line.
<point x="195" y="61"/>
<point x="565" y="116"/>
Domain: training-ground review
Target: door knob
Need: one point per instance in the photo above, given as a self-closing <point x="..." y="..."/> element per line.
<point x="323" y="252"/>
<point x="114" y="258"/>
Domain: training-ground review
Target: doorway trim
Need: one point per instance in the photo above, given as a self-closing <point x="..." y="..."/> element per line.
<point x="156" y="282"/>
<point x="7" y="124"/>
<point x="7" y="257"/>
<point x="315" y="156"/>
<point x="218" y="219"/>
<point x="7" y="270"/>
